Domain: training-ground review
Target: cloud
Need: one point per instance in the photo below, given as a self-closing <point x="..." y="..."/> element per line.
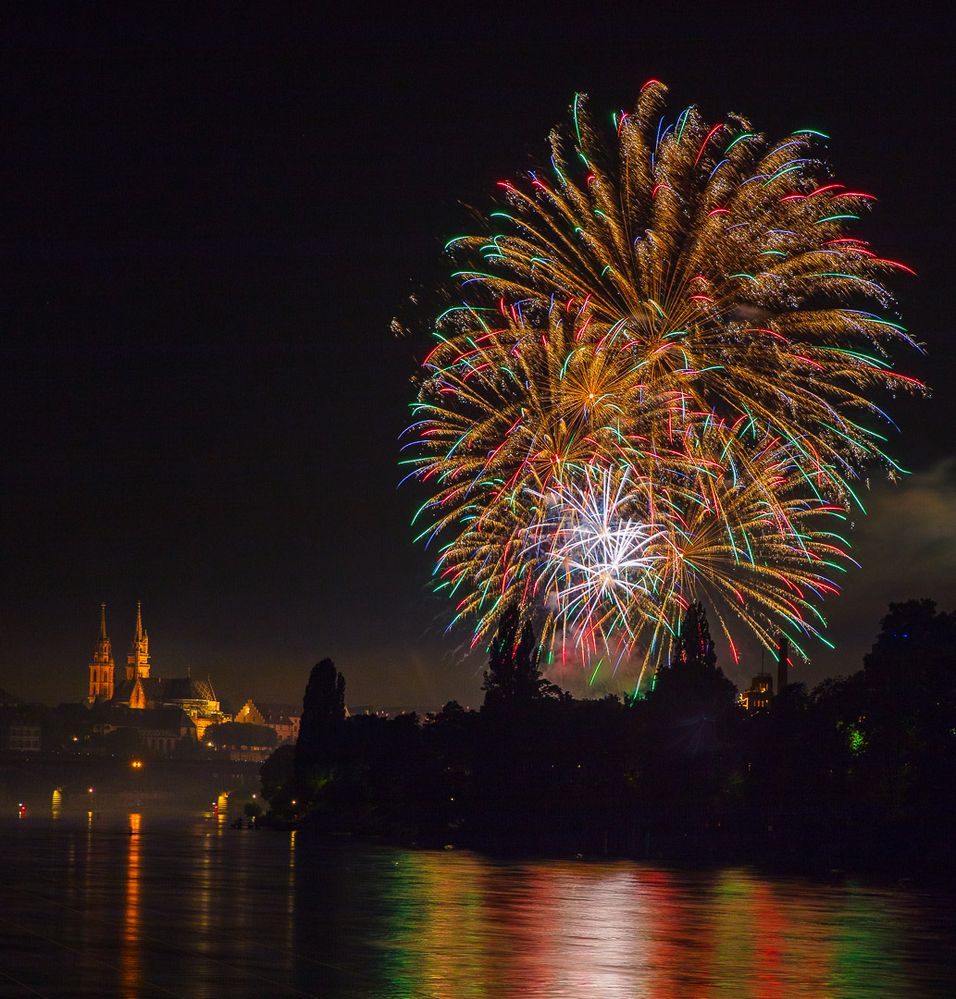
<point x="909" y="538"/>
<point x="906" y="547"/>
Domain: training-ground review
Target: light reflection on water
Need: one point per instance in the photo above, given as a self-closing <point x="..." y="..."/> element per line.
<point x="131" y="953"/>
<point x="201" y="909"/>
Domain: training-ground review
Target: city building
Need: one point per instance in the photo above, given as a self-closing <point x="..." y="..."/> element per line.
<point x="760" y="693"/>
<point x="140" y="691"/>
<point x="243" y="741"/>
<point x="21" y="738"/>
<point x="282" y="718"/>
<point x="164" y="730"/>
<point x="101" y="666"/>
<point x="136" y="691"/>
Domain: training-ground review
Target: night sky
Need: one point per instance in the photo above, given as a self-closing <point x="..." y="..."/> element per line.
<point x="211" y="215"/>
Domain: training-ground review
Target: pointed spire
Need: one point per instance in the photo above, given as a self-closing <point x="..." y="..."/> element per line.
<point x="101" y="665"/>
<point x="137" y="662"/>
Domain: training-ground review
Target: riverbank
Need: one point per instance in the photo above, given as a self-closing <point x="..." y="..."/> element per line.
<point x="113" y="785"/>
<point x="883" y="859"/>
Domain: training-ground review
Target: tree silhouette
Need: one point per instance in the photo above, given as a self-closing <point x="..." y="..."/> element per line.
<point x="910" y="681"/>
<point x="323" y="714"/>
<point x="692" y="685"/>
<point x="695" y="648"/>
<point x="513" y="676"/>
<point x="916" y="644"/>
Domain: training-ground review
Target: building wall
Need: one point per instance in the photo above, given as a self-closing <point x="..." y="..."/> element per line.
<point x="23" y="738"/>
<point x="101" y="682"/>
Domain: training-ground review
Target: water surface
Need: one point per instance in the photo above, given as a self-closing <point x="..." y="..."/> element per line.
<point x="144" y="907"/>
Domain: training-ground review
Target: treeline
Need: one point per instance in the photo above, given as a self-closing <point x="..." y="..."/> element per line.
<point x="859" y="772"/>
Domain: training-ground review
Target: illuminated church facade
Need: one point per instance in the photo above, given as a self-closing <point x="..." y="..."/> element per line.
<point x="139" y="691"/>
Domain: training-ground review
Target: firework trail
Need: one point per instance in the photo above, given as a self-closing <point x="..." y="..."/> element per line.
<point x="656" y="385"/>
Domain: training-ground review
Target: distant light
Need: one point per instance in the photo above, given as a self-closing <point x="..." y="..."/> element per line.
<point x="89" y="790"/>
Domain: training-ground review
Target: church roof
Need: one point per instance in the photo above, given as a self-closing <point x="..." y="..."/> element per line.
<point x="275" y="713"/>
<point x="122" y="691"/>
<point x="152" y="689"/>
<point x="188" y="688"/>
<point x="177" y="688"/>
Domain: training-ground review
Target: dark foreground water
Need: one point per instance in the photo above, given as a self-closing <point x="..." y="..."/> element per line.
<point x="195" y="908"/>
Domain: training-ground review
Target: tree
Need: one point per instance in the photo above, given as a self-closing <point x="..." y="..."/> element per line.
<point x="909" y="678"/>
<point x="692" y="676"/>
<point x="691" y="688"/>
<point x="323" y="714"/>
<point x="915" y="644"/>
<point x="695" y="648"/>
<point x="513" y="676"/>
<point x="276" y="774"/>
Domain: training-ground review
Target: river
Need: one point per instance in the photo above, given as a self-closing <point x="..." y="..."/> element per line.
<point x="136" y="906"/>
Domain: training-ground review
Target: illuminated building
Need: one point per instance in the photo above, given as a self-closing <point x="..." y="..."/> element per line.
<point x="759" y="694"/>
<point x="101" y="665"/>
<point x="133" y="691"/>
<point x="20" y="726"/>
<point x="196" y="698"/>
<point x="141" y="691"/>
<point x="283" y="718"/>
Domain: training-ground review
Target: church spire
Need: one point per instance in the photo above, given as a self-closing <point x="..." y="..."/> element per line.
<point x="137" y="662"/>
<point x="101" y="665"/>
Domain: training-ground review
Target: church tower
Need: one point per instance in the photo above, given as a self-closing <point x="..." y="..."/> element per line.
<point x="101" y="665"/>
<point x="137" y="662"/>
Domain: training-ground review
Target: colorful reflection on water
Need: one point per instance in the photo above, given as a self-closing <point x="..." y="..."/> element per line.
<point x="205" y="910"/>
<point x="469" y="928"/>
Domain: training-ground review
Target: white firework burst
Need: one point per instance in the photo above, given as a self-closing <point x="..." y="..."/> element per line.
<point x="597" y="551"/>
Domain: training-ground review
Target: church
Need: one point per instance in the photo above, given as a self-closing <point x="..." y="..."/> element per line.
<point x="139" y="690"/>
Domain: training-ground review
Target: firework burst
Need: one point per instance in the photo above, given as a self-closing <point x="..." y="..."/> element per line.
<point x="657" y="378"/>
<point x="597" y="553"/>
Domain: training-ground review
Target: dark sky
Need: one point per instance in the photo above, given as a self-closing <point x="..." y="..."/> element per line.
<point x="210" y="215"/>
